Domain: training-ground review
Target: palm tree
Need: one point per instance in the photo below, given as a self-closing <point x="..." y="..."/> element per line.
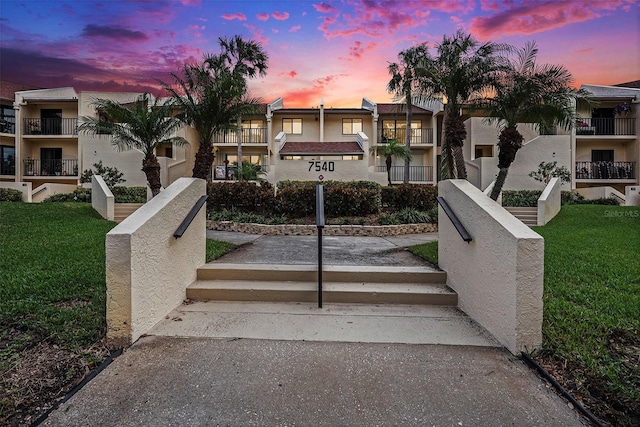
<point x="530" y="93"/>
<point x="138" y="126"/>
<point x="405" y="81"/>
<point x="392" y="149"/>
<point x="212" y="95"/>
<point x="464" y="72"/>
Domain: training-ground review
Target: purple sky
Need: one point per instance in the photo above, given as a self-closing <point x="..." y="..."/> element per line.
<point x="336" y="50"/>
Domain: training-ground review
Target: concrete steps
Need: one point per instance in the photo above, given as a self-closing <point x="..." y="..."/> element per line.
<point x="123" y="210"/>
<point x="528" y="216"/>
<point x="341" y="284"/>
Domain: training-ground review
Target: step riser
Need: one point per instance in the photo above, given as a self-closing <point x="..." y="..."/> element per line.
<point x="312" y="276"/>
<point x="327" y="296"/>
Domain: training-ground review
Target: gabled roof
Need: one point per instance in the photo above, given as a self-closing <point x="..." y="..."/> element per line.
<point x="612" y="92"/>
<point x="400" y="109"/>
<point x="300" y="148"/>
<point x="8" y="89"/>
<point x="634" y="84"/>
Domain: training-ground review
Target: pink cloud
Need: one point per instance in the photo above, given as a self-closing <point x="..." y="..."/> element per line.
<point x="232" y="16"/>
<point x="291" y="74"/>
<point x="190" y="2"/>
<point x="262" y="16"/>
<point x="295" y="28"/>
<point x="357" y="50"/>
<point x="113" y="32"/>
<point x="325" y="8"/>
<point x="280" y="16"/>
<point x="532" y="16"/>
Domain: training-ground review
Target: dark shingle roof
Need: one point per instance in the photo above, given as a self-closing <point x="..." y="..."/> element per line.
<point x="8" y="89"/>
<point x="350" y="147"/>
<point x="399" y="109"/>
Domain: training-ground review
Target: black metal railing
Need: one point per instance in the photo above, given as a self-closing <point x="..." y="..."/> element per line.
<point x="59" y="167"/>
<point x="248" y="135"/>
<point x="416" y="173"/>
<point x="418" y="136"/>
<point x="605" y="170"/>
<point x="320" y="226"/>
<point x="50" y="126"/>
<point x="606" y="126"/>
<point x="454" y="220"/>
<point x="190" y="216"/>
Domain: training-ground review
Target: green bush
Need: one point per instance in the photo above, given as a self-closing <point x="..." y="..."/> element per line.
<point x="129" y="194"/>
<point x="570" y="198"/>
<point x="412" y="216"/>
<point x="241" y="196"/>
<point x="413" y="196"/>
<point x="601" y="201"/>
<point x="10" y="195"/>
<point x="387" y="197"/>
<point x="82" y="195"/>
<point x="521" y="198"/>
<point x="388" y="219"/>
<point x="221" y="215"/>
<point x="249" y="218"/>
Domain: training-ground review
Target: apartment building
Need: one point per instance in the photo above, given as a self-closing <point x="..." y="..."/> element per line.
<point x="40" y="145"/>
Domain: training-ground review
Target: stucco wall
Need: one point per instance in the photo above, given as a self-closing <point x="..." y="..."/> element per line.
<point x="632" y="195"/>
<point x="343" y="170"/>
<point x="23" y="187"/>
<point x="498" y="275"/>
<point x="148" y="269"/>
<point x="550" y="202"/>
<point x="102" y="199"/>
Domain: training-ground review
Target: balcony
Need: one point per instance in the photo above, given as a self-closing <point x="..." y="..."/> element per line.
<point x="606" y="170"/>
<point x="416" y="173"/>
<point x="418" y="136"/>
<point x="249" y="136"/>
<point x="37" y="167"/>
<point x="624" y="126"/>
<point x="47" y="127"/>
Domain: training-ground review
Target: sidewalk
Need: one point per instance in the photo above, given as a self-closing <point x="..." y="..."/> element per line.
<point x="264" y="380"/>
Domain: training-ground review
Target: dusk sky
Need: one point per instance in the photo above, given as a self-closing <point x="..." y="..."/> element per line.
<point x="335" y="50"/>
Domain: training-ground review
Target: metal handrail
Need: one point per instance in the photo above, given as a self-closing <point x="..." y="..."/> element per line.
<point x="320" y="225"/>
<point x="190" y="216"/>
<point x="454" y="220"/>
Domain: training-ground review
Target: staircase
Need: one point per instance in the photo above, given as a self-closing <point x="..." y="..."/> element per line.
<point x="341" y="284"/>
<point x="528" y="216"/>
<point x="123" y="210"/>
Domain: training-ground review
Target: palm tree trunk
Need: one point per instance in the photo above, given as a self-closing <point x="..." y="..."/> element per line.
<point x="447" y="167"/>
<point x="407" y="161"/>
<point x="151" y="168"/>
<point x="388" y="162"/>
<point x="461" y="167"/>
<point x="239" y="133"/>
<point x="203" y="161"/>
<point x="499" y="183"/>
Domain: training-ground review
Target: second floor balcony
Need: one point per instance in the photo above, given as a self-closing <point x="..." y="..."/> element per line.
<point x="50" y="167"/>
<point x="248" y="135"/>
<point x="625" y="126"/>
<point x="418" y="136"/>
<point x="422" y="174"/>
<point x="606" y="170"/>
<point x="47" y="127"/>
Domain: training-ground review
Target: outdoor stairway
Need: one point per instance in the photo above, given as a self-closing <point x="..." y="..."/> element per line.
<point x="341" y="284"/>
<point x="529" y="216"/>
<point x="123" y="210"/>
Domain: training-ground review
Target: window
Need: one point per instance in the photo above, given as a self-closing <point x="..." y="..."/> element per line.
<point x="256" y="159"/>
<point x="351" y="126"/>
<point x="7" y="119"/>
<point x="397" y="129"/>
<point x="7" y="160"/>
<point x="602" y="155"/>
<point x="291" y="157"/>
<point x="252" y="131"/>
<point x="292" y="126"/>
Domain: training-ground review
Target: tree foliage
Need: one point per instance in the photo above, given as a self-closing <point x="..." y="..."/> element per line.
<point x="548" y="170"/>
<point x="389" y="150"/>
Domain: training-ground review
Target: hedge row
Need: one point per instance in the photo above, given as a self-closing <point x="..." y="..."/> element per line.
<point x="529" y="198"/>
<point x="10" y="195"/>
<point x="120" y="195"/>
<point x="297" y="199"/>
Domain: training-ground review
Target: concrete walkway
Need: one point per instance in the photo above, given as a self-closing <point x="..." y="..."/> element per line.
<point x="253" y="364"/>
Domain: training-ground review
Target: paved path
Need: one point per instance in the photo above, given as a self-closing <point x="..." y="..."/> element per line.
<point x="278" y="377"/>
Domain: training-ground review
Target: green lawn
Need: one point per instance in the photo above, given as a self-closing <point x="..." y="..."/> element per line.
<point x="52" y="301"/>
<point x="591" y="329"/>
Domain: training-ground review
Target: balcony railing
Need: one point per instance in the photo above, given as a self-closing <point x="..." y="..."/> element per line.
<point x="50" y="126"/>
<point x="418" y="136"/>
<point x="37" y="167"/>
<point x="605" y="170"/>
<point x="606" y="126"/>
<point x="416" y="173"/>
<point x="249" y="136"/>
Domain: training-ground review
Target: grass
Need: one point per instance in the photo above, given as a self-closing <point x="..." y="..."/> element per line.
<point x="591" y="326"/>
<point x="52" y="302"/>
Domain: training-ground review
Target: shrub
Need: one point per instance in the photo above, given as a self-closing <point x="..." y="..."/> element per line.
<point x="570" y="198"/>
<point x="521" y="198"/>
<point x="388" y="219"/>
<point x="241" y="196"/>
<point x="601" y="201"/>
<point x="249" y="218"/>
<point x="414" y="196"/>
<point x="129" y="194"/>
<point x="412" y="216"/>
<point x="221" y="215"/>
<point x="82" y="195"/>
<point x="10" y="195"/>
<point x="111" y="176"/>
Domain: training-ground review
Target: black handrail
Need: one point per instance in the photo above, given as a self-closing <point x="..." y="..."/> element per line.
<point x="454" y="219"/>
<point x="320" y="225"/>
<point x="190" y="216"/>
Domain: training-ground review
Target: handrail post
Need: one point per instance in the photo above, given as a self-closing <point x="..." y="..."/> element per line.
<point x="320" y="226"/>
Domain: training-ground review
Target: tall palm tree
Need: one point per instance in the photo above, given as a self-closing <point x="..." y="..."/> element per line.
<point x="404" y="83"/>
<point x="464" y="72"/>
<point x="138" y="126"/>
<point x="530" y="93"/>
<point x="392" y="149"/>
<point x="212" y="95"/>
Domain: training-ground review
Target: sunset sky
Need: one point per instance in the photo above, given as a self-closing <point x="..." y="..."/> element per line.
<point x="335" y="50"/>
